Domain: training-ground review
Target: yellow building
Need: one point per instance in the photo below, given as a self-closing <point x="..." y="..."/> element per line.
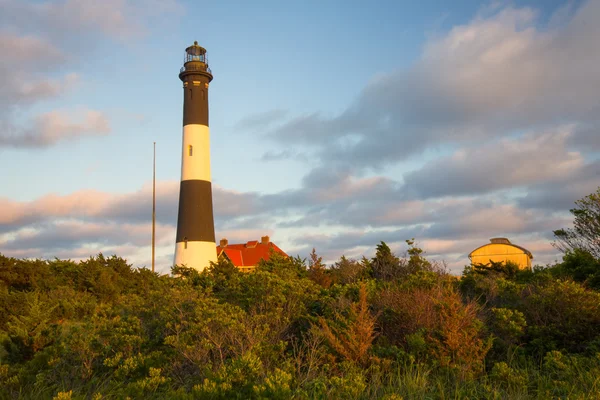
<point x="501" y="250"/>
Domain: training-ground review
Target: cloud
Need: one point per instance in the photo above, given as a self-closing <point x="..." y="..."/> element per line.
<point x="73" y="234"/>
<point x="119" y="19"/>
<point x="20" y="50"/>
<point x="41" y="44"/>
<point x="53" y="127"/>
<point x="22" y="82"/>
<point x="356" y="215"/>
<point x="261" y="120"/>
<point x="83" y="217"/>
<point x="585" y="136"/>
<point x="284" y="155"/>
<point x="495" y="219"/>
<point x="231" y="203"/>
<point x="79" y="239"/>
<point x="501" y="164"/>
<point x="90" y="205"/>
<point x="561" y="194"/>
<point x="496" y="75"/>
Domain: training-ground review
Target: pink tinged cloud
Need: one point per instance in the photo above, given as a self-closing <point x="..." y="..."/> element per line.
<point x="119" y="19"/>
<point x="23" y="81"/>
<point x="56" y="126"/>
<point x="88" y="222"/>
<point x="20" y="50"/>
<point x="28" y="90"/>
<point x="86" y="204"/>
<point x="504" y="64"/>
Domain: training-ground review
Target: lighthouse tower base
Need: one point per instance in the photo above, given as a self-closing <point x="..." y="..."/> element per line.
<point x="188" y="254"/>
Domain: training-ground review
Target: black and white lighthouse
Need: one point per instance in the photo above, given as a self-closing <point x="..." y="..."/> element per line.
<point x="195" y="242"/>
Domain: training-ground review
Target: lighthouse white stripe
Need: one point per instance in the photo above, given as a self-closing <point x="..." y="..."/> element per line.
<point x="195" y="252"/>
<point x="197" y="165"/>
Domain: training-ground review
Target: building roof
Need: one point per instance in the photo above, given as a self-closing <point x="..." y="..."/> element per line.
<point x="250" y="253"/>
<point x="505" y="242"/>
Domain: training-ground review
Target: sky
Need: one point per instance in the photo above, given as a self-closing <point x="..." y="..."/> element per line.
<point x="334" y="124"/>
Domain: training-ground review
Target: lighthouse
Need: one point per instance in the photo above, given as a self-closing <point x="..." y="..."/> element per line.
<point x="195" y="241"/>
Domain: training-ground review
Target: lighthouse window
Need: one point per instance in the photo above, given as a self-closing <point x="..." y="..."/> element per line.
<point x="185" y="243"/>
<point x="190" y="150"/>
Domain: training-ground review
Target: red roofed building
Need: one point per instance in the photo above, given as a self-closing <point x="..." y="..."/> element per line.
<point x="245" y="256"/>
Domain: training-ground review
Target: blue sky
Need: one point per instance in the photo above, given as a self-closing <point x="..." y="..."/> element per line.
<point x="334" y="124"/>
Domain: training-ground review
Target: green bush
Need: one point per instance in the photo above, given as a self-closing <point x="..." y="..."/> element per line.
<point x="388" y="328"/>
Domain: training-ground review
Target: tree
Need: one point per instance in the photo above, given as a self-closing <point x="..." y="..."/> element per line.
<point x="581" y="266"/>
<point x="317" y="272"/>
<point x="385" y="265"/>
<point x="351" y="334"/>
<point x="416" y="261"/>
<point x="585" y="234"/>
<point x="434" y="322"/>
<point x="347" y="271"/>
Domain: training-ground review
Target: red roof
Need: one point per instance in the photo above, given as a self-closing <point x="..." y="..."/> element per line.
<point x="249" y="254"/>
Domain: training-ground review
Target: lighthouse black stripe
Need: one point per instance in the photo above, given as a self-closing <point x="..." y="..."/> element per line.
<point x="195" y="100"/>
<point x="195" y="220"/>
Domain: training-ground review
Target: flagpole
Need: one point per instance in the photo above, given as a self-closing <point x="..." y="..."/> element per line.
<point x="153" y="204"/>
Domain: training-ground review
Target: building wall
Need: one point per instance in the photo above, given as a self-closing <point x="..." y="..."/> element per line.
<point x="188" y="253"/>
<point x="501" y="252"/>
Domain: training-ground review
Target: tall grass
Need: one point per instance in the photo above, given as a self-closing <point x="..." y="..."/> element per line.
<point x="557" y="377"/>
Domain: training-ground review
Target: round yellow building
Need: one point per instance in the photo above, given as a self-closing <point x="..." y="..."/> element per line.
<point x="501" y="250"/>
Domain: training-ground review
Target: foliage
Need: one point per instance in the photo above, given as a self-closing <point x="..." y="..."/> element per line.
<point x="385" y="265"/>
<point x="580" y="266"/>
<point x="317" y="271"/>
<point x="346" y="271"/>
<point x="388" y="328"/>
<point x="585" y="234"/>
<point x="435" y="325"/>
<point x="563" y="316"/>
<point x="352" y="331"/>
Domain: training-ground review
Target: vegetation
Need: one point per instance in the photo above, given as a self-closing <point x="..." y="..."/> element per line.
<point x="387" y="328"/>
<point x="585" y="234"/>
